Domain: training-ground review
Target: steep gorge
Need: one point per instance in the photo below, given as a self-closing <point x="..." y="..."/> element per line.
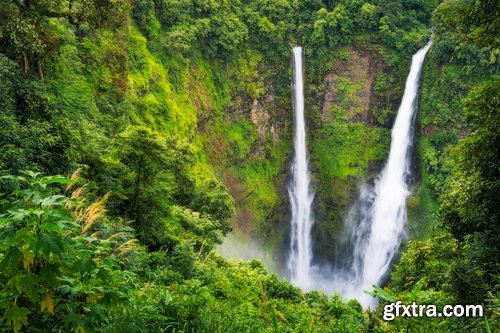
<point x="349" y="115"/>
<point x="177" y="116"/>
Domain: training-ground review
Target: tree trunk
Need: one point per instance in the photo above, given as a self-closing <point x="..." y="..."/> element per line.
<point x="26" y="65"/>
<point x="137" y="189"/>
<point x="39" y="68"/>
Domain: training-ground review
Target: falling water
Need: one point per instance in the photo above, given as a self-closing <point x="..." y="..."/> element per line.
<point x="376" y="223"/>
<point x="299" y="262"/>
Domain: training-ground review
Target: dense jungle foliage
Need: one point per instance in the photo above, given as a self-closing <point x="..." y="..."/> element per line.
<point x="176" y="116"/>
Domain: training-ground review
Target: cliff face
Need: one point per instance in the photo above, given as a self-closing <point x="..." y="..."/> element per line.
<point x="349" y="110"/>
<point x="359" y="72"/>
<point x="353" y="107"/>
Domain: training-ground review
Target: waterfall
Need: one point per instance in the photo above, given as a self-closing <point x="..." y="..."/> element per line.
<point x="375" y="225"/>
<point x="376" y="222"/>
<point x="299" y="262"/>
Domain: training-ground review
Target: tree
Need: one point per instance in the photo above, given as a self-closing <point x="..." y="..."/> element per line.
<point x="227" y="34"/>
<point x="146" y="188"/>
<point x="471" y="203"/>
<point x="477" y="20"/>
<point x="32" y="134"/>
<point x="470" y="206"/>
<point x="368" y="16"/>
<point x="212" y="199"/>
<point x="148" y="175"/>
<point x="26" y="29"/>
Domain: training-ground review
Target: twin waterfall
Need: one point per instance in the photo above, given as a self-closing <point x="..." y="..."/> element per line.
<point x="375" y="225"/>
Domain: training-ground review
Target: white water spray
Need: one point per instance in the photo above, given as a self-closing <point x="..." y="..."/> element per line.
<point x="299" y="262"/>
<point x="377" y="221"/>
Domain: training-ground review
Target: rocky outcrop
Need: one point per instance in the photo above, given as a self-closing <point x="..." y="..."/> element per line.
<point x="260" y="114"/>
<point x="350" y="86"/>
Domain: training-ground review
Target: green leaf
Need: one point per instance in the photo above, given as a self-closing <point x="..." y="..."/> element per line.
<point x="7" y="233"/>
<point x="12" y="259"/>
<point x="57" y="179"/>
<point x="38" y="212"/>
<point x="26" y="284"/>
<point x="16" y="317"/>
<point x="85" y="265"/>
<point x="53" y="200"/>
<point x="11" y="177"/>
<point x="31" y="285"/>
<point x="111" y="298"/>
<point x="58" y="226"/>
<point x="52" y="228"/>
<point x="67" y="279"/>
<point x="487" y="325"/>
<point x="17" y="282"/>
<point x="66" y="289"/>
<point x="31" y="174"/>
<point x="19" y="214"/>
<point x="23" y="236"/>
<point x="388" y="295"/>
<point x="50" y="244"/>
<point x="73" y="320"/>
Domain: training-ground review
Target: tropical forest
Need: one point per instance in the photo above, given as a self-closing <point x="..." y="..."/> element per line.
<point x="250" y="166"/>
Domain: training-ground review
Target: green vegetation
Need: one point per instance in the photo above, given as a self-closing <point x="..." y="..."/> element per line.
<point x="66" y="265"/>
<point x="458" y="263"/>
<point x="177" y="115"/>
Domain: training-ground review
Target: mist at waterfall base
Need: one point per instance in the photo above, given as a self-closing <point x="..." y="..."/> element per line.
<point x="241" y="247"/>
<point x="375" y="226"/>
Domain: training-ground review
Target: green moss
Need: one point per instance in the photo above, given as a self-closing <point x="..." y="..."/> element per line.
<point x="345" y="149"/>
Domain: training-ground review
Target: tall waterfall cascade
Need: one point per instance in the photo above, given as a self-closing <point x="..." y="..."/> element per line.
<point x="299" y="262"/>
<point x="375" y="225"/>
<point x="377" y="221"/>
